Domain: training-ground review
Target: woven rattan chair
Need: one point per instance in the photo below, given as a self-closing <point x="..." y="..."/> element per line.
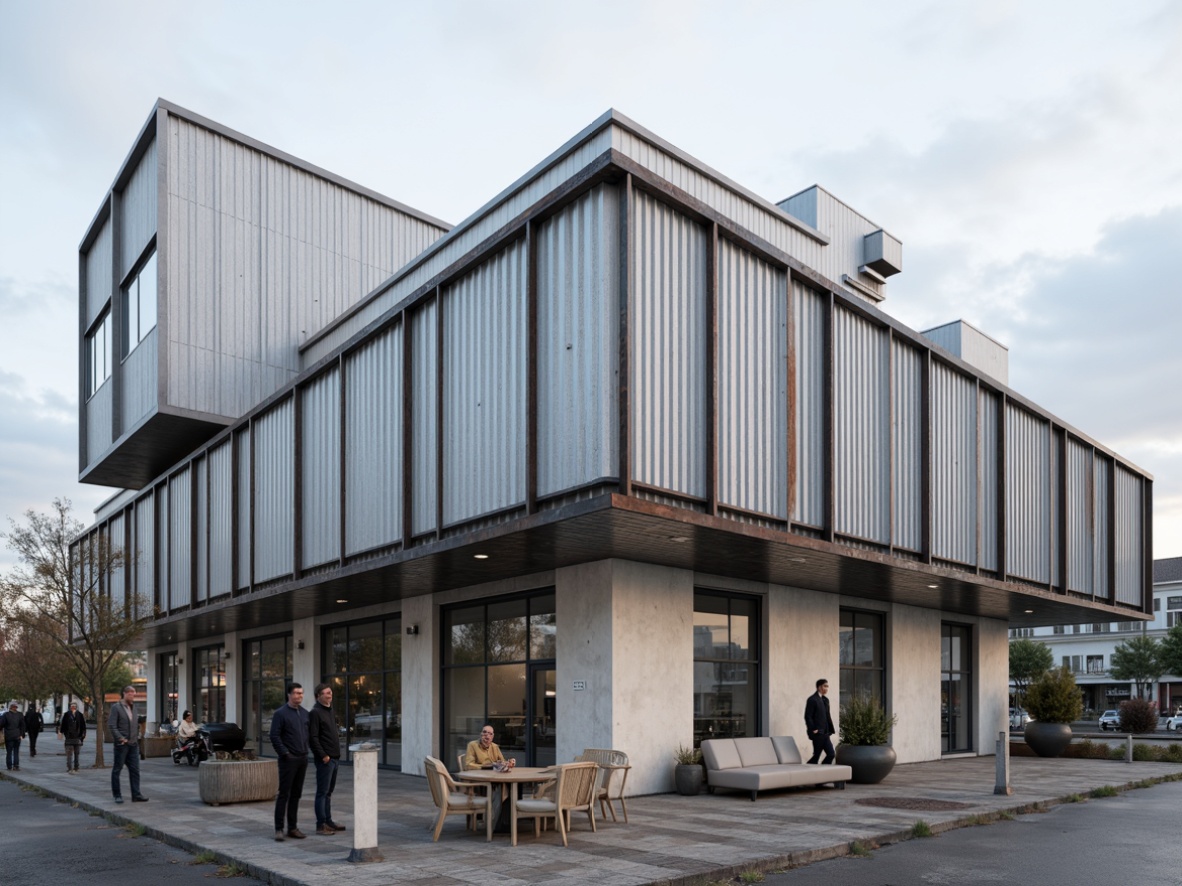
<point x="456" y="799"/>
<point x="608" y="788"/>
<point x="574" y="791"/>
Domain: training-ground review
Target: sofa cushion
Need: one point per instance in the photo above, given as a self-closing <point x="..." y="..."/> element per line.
<point x="756" y="751"/>
<point x="786" y="749"/>
<point x="720" y="753"/>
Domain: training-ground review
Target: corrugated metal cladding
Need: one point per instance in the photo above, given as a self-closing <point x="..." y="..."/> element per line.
<point x="320" y="469"/>
<point x="484" y="388"/>
<point x="161" y="546"/>
<point x="1130" y="563"/>
<point x="669" y="358"/>
<point x="242" y="501"/>
<point x="98" y="273"/>
<point x="144" y="531"/>
<point x="201" y="591"/>
<point x="847" y="230"/>
<point x="861" y="428"/>
<point x="752" y="383"/>
<point x="907" y="436"/>
<point x="180" y="539"/>
<point x="1081" y="518"/>
<point x="98" y="421"/>
<point x="1028" y="495"/>
<point x="274" y="491"/>
<point x="1103" y="550"/>
<point x="292" y="251"/>
<point x="221" y="522"/>
<point x="137" y="212"/>
<point x="139" y="382"/>
<point x="810" y="309"/>
<point x="120" y="574"/>
<point x="954" y="465"/>
<point x="989" y="414"/>
<point x="373" y="439"/>
<point x="424" y="410"/>
<point x="577" y="267"/>
<point x="1057" y="444"/>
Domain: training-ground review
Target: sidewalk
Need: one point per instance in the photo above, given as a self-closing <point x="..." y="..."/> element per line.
<point x="670" y="839"/>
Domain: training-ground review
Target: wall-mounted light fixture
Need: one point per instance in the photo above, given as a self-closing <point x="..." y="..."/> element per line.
<point x="299" y="644"/>
<point x="226" y="656"/>
<point x="180" y="661"/>
<point x="412" y="630"/>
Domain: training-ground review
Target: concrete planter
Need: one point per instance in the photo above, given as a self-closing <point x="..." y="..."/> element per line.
<point x="870" y="763"/>
<point x="237" y="781"/>
<point x="157" y="747"/>
<point x="688" y="779"/>
<point x="1047" y="739"/>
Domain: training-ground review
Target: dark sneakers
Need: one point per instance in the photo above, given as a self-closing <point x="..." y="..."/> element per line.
<point x="335" y="826"/>
<point x="326" y="831"/>
<point x="118" y="799"/>
<point x="140" y="799"/>
<point x="279" y="836"/>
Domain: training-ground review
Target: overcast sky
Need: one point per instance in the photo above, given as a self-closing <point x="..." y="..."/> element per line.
<point x="1028" y="155"/>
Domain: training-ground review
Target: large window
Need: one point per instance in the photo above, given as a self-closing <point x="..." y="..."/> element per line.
<point x="209" y="682"/>
<point x="139" y="305"/>
<point x="861" y="656"/>
<point x="956" y="688"/>
<point x="726" y="666"/>
<point x="169" y="682"/>
<point x="498" y="668"/>
<point x="264" y="686"/>
<point x="363" y="664"/>
<point x="98" y="354"/>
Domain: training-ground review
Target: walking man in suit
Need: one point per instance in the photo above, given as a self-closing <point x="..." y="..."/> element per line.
<point x="125" y="731"/>
<point x="819" y="723"/>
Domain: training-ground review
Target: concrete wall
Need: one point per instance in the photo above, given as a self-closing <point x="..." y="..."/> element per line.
<point x="420" y="693"/>
<point x="992" y="670"/>
<point x="913" y="679"/>
<point x="802" y="646"/>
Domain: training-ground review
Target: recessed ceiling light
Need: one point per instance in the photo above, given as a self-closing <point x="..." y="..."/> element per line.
<point x="797" y="560"/>
<point x="342" y="601"/>
<point x="933" y="586"/>
<point x="480" y="556"/>
<point x="679" y="539"/>
<point x="1028" y="611"/>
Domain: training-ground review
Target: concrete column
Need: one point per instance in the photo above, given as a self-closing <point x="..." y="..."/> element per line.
<point x="303" y="661"/>
<point x="365" y="803"/>
<point x="420" y="689"/>
<point x="233" y="687"/>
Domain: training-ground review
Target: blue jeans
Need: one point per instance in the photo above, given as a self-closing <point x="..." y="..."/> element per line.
<point x="326" y="782"/>
<point x="128" y="754"/>
<point x="12" y="757"/>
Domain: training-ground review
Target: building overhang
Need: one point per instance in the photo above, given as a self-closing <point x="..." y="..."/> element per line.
<point x="615" y="526"/>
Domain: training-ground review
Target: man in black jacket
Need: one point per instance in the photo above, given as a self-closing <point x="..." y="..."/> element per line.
<point x="819" y="723"/>
<point x="289" y="737"/>
<point x="13" y="725"/>
<point x="325" y="742"/>
<point x="34" y="722"/>
<point x="73" y="729"/>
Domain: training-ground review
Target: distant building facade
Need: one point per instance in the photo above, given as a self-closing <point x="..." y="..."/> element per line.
<point x="628" y="458"/>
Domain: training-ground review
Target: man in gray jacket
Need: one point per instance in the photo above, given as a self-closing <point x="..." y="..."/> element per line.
<point x="13" y="725"/>
<point x="125" y="731"/>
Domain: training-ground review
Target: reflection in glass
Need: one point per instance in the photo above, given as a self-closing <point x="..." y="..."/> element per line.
<point x="726" y="666"/>
<point x="466" y="633"/>
<point x="506" y="631"/>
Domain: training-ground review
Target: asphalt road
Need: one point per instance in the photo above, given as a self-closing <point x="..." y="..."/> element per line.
<point x="1130" y="838"/>
<point x="42" y="840"/>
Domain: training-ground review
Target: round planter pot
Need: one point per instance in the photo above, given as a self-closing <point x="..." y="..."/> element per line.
<point x="870" y="763"/>
<point x="237" y="781"/>
<point x="1047" y="739"/>
<point x="688" y="778"/>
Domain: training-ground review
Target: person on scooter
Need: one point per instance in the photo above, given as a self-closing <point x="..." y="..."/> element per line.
<point x="187" y="729"/>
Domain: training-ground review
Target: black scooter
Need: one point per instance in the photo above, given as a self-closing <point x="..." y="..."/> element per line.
<point x="195" y="751"/>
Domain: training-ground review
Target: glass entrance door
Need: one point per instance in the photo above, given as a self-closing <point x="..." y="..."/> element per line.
<point x="956" y="689"/>
<point x="543" y="715"/>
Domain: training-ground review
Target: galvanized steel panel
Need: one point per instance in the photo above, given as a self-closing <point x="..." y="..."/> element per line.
<point x="373" y="441"/>
<point x="144" y="550"/>
<point x="98" y="273"/>
<point x="201" y="552"/>
<point x="98" y="421"/>
<point x="180" y="539"/>
<point x="861" y="428"/>
<point x="907" y="441"/>
<point x="221" y="520"/>
<point x="291" y="251"/>
<point x="140" y="376"/>
<point x="1081" y="518"/>
<point x="810" y="310"/>
<point x="242" y="502"/>
<point x="1130" y="561"/>
<point x="1057" y="445"/>
<point x="1028" y="495"/>
<point x="424" y="411"/>
<point x="668" y="361"/>
<point x="954" y="465"/>
<point x="752" y="383"/>
<point x="163" y="551"/>
<point x="274" y="492"/>
<point x="137" y="211"/>
<point x="577" y="268"/>
<point x="989" y="414"/>
<point x="1103" y="552"/>
<point x="117" y="580"/>
<point x="320" y="469"/>
<point x="484" y="388"/>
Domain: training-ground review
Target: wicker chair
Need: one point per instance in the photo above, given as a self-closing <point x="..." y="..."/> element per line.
<point x="574" y="791"/>
<point x="454" y="799"/>
<point x="606" y="788"/>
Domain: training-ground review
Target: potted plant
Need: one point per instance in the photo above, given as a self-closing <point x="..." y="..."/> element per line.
<point x="1054" y="704"/>
<point x="864" y="730"/>
<point x="237" y="777"/>
<point x="688" y="772"/>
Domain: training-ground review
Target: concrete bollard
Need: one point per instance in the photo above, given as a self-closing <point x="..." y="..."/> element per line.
<point x="1128" y="748"/>
<point x="365" y="803"/>
<point x="1003" y="765"/>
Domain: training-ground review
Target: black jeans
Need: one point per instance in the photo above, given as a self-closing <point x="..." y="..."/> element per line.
<point x="73" y="751"/>
<point x="128" y="754"/>
<point x="326" y="782"/>
<point x="821" y="744"/>
<point x="291" y="784"/>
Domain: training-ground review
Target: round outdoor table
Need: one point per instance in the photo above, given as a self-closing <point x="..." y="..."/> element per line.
<point x="517" y="775"/>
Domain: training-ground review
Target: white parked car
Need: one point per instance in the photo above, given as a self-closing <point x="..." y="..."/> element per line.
<point x="1110" y="720"/>
<point x="1175" y="723"/>
<point x="1018" y="718"/>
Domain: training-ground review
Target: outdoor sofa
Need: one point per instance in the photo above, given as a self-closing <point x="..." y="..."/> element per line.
<point x="761" y="764"/>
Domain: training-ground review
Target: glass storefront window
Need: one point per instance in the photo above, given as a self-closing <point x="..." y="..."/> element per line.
<point x="861" y="655"/>
<point x="363" y="664"/>
<point x="726" y="666"/>
<point x="209" y="681"/>
<point x="169" y="686"/>
<point x="264" y="686"/>
<point x="955" y="688"/>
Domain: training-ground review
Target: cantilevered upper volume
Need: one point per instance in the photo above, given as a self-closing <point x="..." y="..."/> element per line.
<point x="211" y="260"/>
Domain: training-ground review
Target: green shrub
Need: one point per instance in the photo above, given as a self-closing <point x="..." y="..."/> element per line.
<point x="687" y="756"/>
<point x="864" y="722"/>
<point x="921" y="829"/>
<point x="859" y="849"/>
<point x="1105" y="791"/>
<point x="1138" y="716"/>
<point x="1054" y="698"/>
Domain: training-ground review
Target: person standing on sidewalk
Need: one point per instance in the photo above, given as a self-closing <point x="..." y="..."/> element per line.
<point x="125" y="732"/>
<point x="73" y="729"/>
<point x="13" y="725"/>
<point x="34" y="722"/>
<point x="819" y="723"/>
<point x="289" y="737"/>
<point x="325" y="742"/>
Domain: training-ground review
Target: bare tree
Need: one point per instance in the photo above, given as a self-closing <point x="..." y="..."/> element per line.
<point x="68" y="589"/>
<point x="32" y="667"/>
